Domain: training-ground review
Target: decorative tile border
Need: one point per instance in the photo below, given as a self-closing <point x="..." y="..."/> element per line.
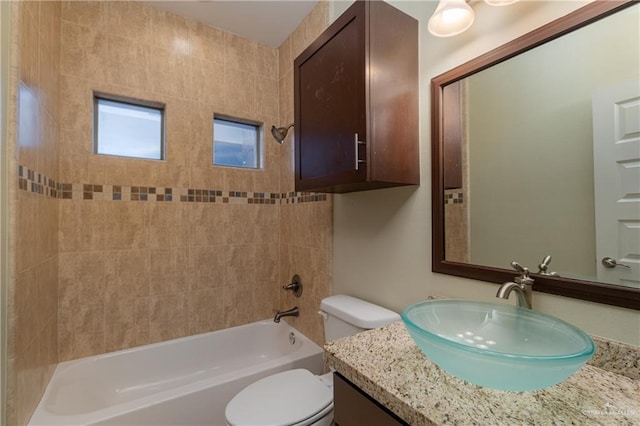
<point x="31" y="181"/>
<point x="454" y="197"/>
<point x="302" y="197"/>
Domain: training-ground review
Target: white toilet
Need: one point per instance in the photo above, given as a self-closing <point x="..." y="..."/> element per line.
<point x="298" y="397"/>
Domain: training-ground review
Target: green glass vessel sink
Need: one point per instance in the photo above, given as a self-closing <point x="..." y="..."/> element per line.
<point x="496" y="345"/>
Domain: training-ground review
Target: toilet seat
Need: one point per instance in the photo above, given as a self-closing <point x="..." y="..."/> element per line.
<point x="293" y="397"/>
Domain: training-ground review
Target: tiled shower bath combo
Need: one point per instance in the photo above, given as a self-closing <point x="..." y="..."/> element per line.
<point x="112" y="253"/>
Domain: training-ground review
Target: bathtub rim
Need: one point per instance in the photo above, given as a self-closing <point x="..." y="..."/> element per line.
<point x="43" y="416"/>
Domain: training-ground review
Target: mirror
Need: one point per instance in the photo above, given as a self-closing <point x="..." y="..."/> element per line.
<point x="516" y="135"/>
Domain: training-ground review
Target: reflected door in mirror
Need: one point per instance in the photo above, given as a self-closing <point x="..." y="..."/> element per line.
<point x="616" y="148"/>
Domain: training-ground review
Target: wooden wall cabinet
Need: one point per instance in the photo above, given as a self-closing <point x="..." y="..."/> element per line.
<point x="353" y="407"/>
<point x="356" y="103"/>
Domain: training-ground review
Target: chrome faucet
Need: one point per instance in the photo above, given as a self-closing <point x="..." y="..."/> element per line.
<point x="523" y="286"/>
<point x="290" y="313"/>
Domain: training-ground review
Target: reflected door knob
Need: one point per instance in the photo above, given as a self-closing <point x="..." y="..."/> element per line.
<point x="609" y="262"/>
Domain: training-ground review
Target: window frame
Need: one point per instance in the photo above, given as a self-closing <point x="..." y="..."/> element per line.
<point x="161" y="107"/>
<point x="258" y="143"/>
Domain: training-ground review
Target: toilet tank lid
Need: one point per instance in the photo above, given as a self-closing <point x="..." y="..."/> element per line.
<point x="358" y="312"/>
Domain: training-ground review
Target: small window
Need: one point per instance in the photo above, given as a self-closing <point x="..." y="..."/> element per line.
<point x="236" y="143"/>
<point x="128" y="128"/>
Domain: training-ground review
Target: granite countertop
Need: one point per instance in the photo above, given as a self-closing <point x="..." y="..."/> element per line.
<point x="386" y="364"/>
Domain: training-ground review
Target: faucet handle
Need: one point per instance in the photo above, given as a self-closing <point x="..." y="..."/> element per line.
<point x="544" y="266"/>
<point x="524" y="278"/>
<point x="545" y="263"/>
<point x="295" y="286"/>
<point x="518" y="267"/>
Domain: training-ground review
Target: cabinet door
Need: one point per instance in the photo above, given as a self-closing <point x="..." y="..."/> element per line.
<point x="353" y="407"/>
<point x="330" y="98"/>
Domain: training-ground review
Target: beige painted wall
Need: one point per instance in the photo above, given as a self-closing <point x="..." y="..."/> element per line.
<point x="382" y="239"/>
<point x="531" y="150"/>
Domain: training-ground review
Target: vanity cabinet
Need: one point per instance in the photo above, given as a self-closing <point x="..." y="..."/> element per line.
<point x="356" y="103"/>
<point x="353" y="407"/>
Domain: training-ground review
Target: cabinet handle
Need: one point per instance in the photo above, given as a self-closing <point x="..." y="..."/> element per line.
<point x="356" y="142"/>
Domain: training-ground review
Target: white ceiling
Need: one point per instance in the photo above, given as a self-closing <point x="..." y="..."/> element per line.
<point x="265" y="21"/>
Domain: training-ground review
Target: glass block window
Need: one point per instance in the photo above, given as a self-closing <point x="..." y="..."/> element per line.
<point x="236" y="143"/>
<point x="128" y="128"/>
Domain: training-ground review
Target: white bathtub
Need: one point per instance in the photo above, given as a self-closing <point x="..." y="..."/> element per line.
<point x="185" y="381"/>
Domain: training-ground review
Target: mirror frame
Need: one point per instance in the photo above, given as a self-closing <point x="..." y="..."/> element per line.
<point x="578" y="289"/>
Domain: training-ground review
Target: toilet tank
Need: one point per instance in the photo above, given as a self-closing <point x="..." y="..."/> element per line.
<point x="346" y="315"/>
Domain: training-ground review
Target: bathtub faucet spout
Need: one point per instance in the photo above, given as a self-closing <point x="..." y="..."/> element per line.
<point x="290" y="313"/>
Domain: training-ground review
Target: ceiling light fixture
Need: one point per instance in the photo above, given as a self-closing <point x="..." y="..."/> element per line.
<point x="453" y="17"/>
<point x="500" y="2"/>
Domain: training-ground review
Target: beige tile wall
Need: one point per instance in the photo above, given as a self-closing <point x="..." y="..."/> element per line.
<point x="32" y="305"/>
<point x="98" y="275"/>
<point x="456" y="209"/>
<point x="143" y="272"/>
<point x="134" y="272"/>
<point x="130" y="49"/>
<point x="456" y="226"/>
<point x="306" y="229"/>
